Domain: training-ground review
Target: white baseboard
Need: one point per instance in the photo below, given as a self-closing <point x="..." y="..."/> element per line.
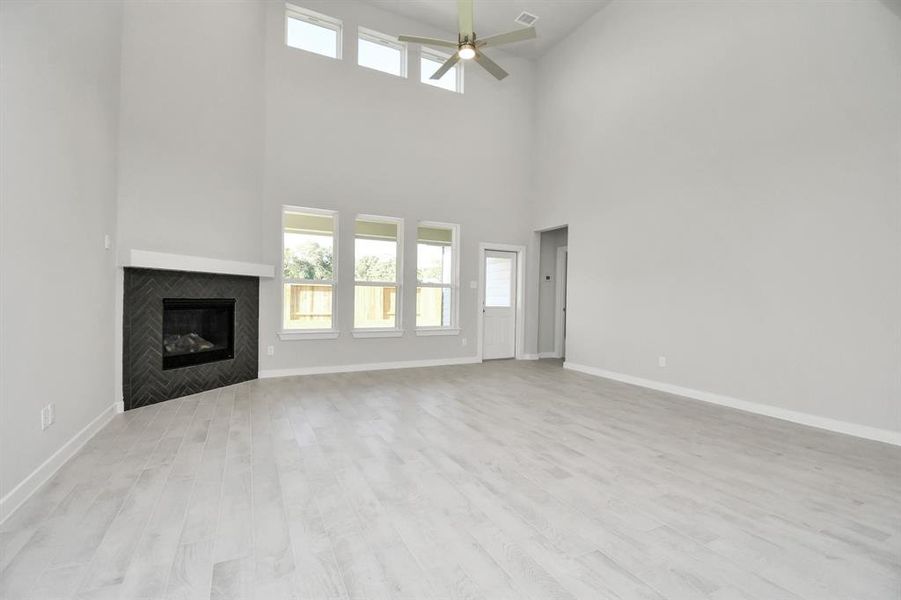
<point x="402" y="364"/>
<point x="548" y="355"/>
<point x="22" y="492"/>
<point x="862" y="431"/>
<point x="120" y="407"/>
<point x="528" y="357"/>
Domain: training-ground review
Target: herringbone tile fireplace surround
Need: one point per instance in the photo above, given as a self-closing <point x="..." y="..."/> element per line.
<point x="144" y="380"/>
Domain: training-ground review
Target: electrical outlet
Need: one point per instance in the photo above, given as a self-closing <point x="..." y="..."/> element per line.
<point x="270" y="350"/>
<point x="462" y="341"/>
<point x="107" y="242"/>
<point x="661" y="361"/>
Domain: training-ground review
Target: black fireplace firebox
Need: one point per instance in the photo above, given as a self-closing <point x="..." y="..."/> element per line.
<point x="197" y="331"/>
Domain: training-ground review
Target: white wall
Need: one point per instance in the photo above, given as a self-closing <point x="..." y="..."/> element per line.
<point x="343" y="137"/>
<point x="547" y="299"/>
<point x="58" y="116"/>
<point x="222" y="124"/>
<point x="730" y="174"/>
<point x="192" y="128"/>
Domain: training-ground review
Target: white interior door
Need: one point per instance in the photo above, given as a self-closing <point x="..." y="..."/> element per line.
<point x="499" y="305"/>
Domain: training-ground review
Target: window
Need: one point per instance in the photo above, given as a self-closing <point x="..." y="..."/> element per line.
<point x="499" y="281"/>
<point x="309" y="269"/>
<point x="430" y="61"/>
<point x="436" y="274"/>
<point x="312" y="31"/>
<point x="381" y="52"/>
<point x="378" y="252"/>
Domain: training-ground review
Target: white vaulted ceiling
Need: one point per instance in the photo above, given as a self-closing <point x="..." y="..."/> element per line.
<point x="556" y="18"/>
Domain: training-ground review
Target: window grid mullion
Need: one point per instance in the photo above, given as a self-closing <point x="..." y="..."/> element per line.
<point x="378" y="283"/>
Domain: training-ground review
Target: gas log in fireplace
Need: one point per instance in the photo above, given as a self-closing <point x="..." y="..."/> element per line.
<point x="197" y="331"/>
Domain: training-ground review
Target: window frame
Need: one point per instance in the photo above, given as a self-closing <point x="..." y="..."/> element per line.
<point x="440" y="57"/>
<point x="454" y="286"/>
<point x="377" y="37"/>
<point x="397" y="330"/>
<point x="293" y="11"/>
<point x="310" y="333"/>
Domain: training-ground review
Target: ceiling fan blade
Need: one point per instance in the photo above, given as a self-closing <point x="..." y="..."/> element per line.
<point x="427" y="41"/>
<point x="447" y="66"/>
<point x="518" y="35"/>
<point x="490" y="66"/>
<point x="464" y="8"/>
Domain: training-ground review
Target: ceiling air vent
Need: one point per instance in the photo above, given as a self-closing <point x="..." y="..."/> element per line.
<point x="526" y="18"/>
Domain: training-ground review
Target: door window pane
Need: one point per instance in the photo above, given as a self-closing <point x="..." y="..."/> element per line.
<point x="498" y="282"/>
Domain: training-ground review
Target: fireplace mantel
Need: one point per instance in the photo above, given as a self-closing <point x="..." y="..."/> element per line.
<point x="146" y="259"/>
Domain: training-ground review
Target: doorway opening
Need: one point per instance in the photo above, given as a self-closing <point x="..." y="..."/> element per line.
<point x="553" y="266"/>
<point x="501" y="321"/>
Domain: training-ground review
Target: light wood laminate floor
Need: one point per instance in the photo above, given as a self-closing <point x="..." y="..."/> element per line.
<point x="506" y="480"/>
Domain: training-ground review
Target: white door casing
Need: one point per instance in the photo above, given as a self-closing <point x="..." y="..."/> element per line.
<point x="560" y="303"/>
<point x="499" y="304"/>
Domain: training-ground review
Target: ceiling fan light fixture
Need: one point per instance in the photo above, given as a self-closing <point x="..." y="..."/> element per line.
<point x="466" y="51"/>
<point x="468" y="47"/>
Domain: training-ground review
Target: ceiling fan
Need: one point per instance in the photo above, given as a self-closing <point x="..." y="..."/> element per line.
<point x="468" y="46"/>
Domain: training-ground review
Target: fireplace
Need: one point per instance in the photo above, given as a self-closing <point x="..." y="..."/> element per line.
<point x="197" y="331"/>
<point x="185" y="332"/>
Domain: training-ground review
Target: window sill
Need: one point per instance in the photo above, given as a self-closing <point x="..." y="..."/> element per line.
<point x="377" y="333"/>
<point x="324" y="334"/>
<point x="438" y="331"/>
